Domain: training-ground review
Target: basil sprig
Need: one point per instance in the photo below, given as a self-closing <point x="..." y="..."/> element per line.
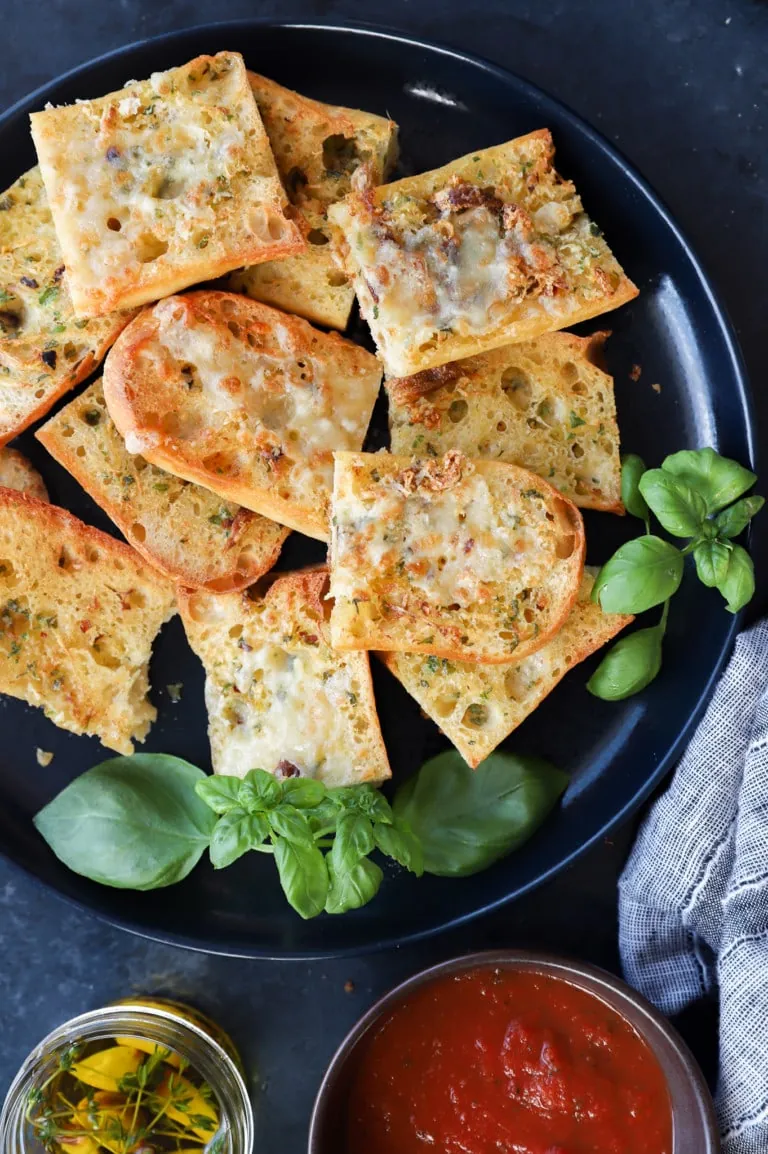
<point x="698" y="495"/>
<point x="144" y="822"/>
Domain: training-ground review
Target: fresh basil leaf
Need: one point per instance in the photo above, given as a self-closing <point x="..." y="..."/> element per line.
<point x="629" y="666"/>
<point x="643" y="573"/>
<point x="259" y="790"/>
<point x="303" y="876"/>
<point x="467" y="819"/>
<point x="131" y="822"/>
<point x="354" y="840"/>
<point x="400" y="843"/>
<point x="680" y="509"/>
<point x="351" y="889"/>
<point x="325" y="815"/>
<point x="711" y="559"/>
<point x="717" y="479"/>
<point x="291" y="824"/>
<point x="303" y="792"/>
<point x="235" y="833"/>
<point x="738" y="585"/>
<point x="219" y="792"/>
<point x="735" y="519"/>
<point x="632" y="469"/>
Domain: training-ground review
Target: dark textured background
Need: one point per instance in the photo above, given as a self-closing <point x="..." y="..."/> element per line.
<point x="681" y="88"/>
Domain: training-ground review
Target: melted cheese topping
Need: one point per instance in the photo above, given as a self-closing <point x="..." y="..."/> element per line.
<point x="287" y="705"/>
<point x="454" y="546"/>
<point x="308" y="405"/>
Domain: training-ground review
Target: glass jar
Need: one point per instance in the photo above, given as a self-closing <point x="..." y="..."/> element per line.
<point x="193" y="1037"/>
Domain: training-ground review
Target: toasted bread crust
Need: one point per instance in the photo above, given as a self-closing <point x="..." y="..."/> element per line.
<point x="185" y="531"/>
<point x="276" y="690"/>
<point x="259" y="431"/>
<point x="79" y="613"/>
<point x="17" y="473"/>
<point x="44" y="350"/>
<point x="479" y="706"/>
<point x="166" y="183"/>
<point x="544" y="405"/>
<point x="303" y="133"/>
<point x="490" y="250"/>
<point x="470" y="560"/>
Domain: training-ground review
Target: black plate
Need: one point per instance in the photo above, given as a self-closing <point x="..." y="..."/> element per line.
<point x="446" y="104"/>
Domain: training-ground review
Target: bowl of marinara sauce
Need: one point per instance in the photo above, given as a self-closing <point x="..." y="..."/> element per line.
<point x="513" y="1053"/>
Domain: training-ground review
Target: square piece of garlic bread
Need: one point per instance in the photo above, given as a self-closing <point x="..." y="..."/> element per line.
<point x="78" y="614"/>
<point x="242" y="399"/>
<point x="187" y="532"/>
<point x="45" y="350"/>
<point x="469" y="560"/>
<point x="492" y="249"/>
<point x="166" y="183"/>
<point x="478" y="706"/>
<point x="317" y="147"/>
<point x="279" y="697"/>
<point x="544" y="405"/>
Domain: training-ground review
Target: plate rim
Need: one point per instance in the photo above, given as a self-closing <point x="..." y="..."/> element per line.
<point x="743" y="395"/>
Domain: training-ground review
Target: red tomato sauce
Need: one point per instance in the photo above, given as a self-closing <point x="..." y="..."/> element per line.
<point x="497" y="1061"/>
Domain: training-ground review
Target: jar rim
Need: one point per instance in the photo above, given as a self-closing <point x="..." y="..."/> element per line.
<point x="135" y="1018"/>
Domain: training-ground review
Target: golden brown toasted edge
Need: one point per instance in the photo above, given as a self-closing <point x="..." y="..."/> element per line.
<point x="128" y="401"/>
<point x="159" y="277"/>
<point x="64" y="450"/>
<point x="611" y="625"/>
<point x="16" y="472"/>
<point x="405" y="391"/>
<point x="576" y="558"/>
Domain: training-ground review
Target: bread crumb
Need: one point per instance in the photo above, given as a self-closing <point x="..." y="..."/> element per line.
<point x="635" y="372"/>
<point x="43" y="757"/>
<point x="349" y="986"/>
<point x="656" y="388"/>
<point x="174" y="691"/>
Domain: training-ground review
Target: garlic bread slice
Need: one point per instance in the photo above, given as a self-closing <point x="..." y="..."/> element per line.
<point x="79" y="612"/>
<point x="45" y="350"/>
<point x="242" y="399"/>
<point x="492" y="249"/>
<point x="478" y="706"/>
<point x="469" y="560"/>
<point x="545" y="405"/>
<point x="166" y="183"/>
<point x="187" y="532"/>
<point x="317" y="147"/>
<point x="279" y="697"/>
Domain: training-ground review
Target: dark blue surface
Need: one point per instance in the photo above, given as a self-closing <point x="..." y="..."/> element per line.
<point x="446" y="105"/>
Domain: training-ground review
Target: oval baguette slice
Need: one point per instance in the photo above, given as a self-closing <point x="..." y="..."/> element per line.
<point x="469" y="560"/>
<point x="78" y="614"/>
<point x="242" y="399"/>
<point x="544" y="405"/>
<point x="17" y="473"/>
<point x="185" y="531"/>
<point x="478" y="706"/>
<point x="279" y="697"/>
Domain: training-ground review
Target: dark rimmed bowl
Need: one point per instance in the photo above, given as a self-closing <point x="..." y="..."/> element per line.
<point x="694" y="1127"/>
